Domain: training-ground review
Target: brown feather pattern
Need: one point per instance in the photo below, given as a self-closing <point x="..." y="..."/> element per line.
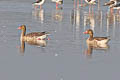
<point x="35" y="34"/>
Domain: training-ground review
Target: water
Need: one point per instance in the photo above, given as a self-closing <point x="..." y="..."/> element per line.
<point x="66" y="56"/>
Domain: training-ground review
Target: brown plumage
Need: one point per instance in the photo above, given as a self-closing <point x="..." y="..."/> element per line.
<point x="96" y="40"/>
<point x="32" y="36"/>
<point x="35" y="34"/>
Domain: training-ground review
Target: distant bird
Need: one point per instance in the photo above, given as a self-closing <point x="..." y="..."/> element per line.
<point x="116" y="6"/>
<point x="110" y="3"/>
<point x="57" y="2"/>
<point x="91" y="2"/>
<point x="34" y="36"/>
<point x="113" y="4"/>
<point x="95" y="40"/>
<point x="39" y="3"/>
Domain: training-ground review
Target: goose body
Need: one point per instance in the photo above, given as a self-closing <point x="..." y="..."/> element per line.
<point x="34" y="36"/>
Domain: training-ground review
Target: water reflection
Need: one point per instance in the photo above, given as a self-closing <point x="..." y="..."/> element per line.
<point x="22" y="47"/>
<point x="58" y="15"/>
<point x="75" y="17"/>
<point x="99" y="18"/>
<point x="38" y="14"/>
<point x="89" y="20"/>
<point x="118" y="18"/>
<point x="72" y="16"/>
<point x="38" y="43"/>
<point x="91" y="47"/>
<point x="112" y="20"/>
<point x="75" y="21"/>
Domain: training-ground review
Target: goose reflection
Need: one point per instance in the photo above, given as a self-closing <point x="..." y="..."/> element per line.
<point x="22" y="47"/>
<point x="38" y="43"/>
<point x="38" y="14"/>
<point x="91" y="47"/>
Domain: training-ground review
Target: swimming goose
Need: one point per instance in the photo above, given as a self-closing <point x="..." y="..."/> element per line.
<point x="95" y="40"/>
<point x="32" y="36"/>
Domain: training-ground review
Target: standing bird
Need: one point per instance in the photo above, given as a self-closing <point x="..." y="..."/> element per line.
<point x="39" y="3"/>
<point x="91" y="2"/>
<point x="57" y="2"/>
<point x="111" y="4"/>
<point x="116" y="6"/>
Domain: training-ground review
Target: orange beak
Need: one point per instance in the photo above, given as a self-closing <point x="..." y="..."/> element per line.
<point x="85" y="32"/>
<point x="19" y="27"/>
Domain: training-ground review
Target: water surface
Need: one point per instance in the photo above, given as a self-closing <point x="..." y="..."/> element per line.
<point x="66" y="56"/>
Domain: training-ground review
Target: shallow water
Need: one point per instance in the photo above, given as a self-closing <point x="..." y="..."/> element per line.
<point x="66" y="55"/>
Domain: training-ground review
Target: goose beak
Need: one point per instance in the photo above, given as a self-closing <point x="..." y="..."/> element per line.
<point x="19" y="28"/>
<point x="85" y="32"/>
